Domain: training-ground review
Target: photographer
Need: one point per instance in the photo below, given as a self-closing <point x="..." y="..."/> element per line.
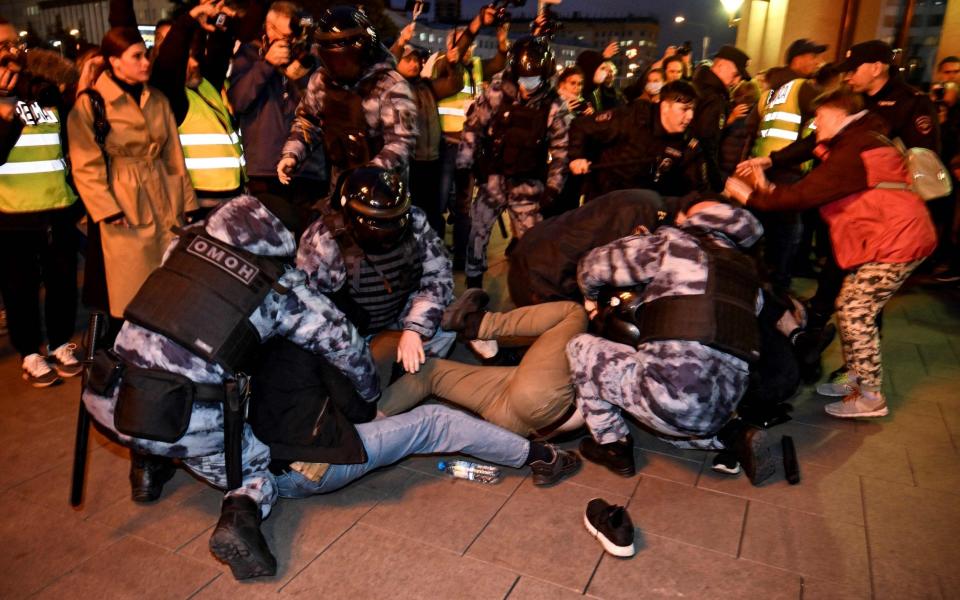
<point x="267" y="82"/>
<point x="426" y="166"/>
<point x="38" y="209"/>
<point x="190" y="70"/>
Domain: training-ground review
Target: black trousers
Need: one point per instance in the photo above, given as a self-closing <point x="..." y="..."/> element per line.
<point x="29" y="259"/>
<point x="426" y="178"/>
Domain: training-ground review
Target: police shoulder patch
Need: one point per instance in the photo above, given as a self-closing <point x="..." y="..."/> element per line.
<point x="924" y="124"/>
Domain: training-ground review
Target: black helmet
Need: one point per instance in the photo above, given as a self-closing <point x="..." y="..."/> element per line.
<point x="376" y="208"/>
<point x="530" y="57"/>
<point x="347" y="42"/>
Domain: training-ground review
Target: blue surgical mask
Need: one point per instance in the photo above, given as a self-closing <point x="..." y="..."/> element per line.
<point x="530" y="83"/>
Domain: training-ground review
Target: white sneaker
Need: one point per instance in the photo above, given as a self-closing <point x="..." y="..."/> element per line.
<point x="859" y="404"/>
<point x="37" y="372"/>
<point x="65" y="361"/>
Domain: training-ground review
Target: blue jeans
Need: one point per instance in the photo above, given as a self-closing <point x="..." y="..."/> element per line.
<point x="423" y="430"/>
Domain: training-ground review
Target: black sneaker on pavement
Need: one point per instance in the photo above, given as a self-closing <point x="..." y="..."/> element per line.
<point x="37" y="372"/>
<point x="616" y="456"/>
<point x="726" y="463"/>
<point x="563" y="464"/>
<point x="612" y="527"/>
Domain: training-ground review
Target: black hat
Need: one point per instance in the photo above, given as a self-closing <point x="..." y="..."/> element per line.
<point x="804" y="46"/>
<point x="866" y="52"/>
<point x="737" y="57"/>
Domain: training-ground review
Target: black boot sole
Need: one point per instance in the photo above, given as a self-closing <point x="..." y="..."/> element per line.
<point x="245" y="560"/>
<point x="587" y="452"/>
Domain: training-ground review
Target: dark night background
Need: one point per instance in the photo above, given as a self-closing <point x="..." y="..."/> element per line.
<point x="704" y="17"/>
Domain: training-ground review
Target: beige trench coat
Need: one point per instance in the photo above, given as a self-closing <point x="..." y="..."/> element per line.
<point x="146" y="180"/>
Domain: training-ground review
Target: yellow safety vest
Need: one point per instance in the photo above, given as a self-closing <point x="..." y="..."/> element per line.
<point x="211" y="146"/>
<point x="453" y="110"/>
<point x="34" y="178"/>
<point x="782" y="122"/>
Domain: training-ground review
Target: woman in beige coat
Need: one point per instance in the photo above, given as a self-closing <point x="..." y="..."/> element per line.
<point x="142" y="189"/>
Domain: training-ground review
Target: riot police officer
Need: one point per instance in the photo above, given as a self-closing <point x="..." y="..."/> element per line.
<point x="172" y="387"/>
<point x="515" y="137"/>
<point x="356" y="103"/>
<point x="384" y="265"/>
<point x="641" y="145"/>
<point x="676" y="348"/>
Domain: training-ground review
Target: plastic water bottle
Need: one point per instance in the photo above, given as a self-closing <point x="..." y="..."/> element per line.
<point x="462" y="469"/>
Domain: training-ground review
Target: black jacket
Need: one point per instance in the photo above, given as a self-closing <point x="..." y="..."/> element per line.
<point x="709" y="121"/>
<point x="304" y="408"/>
<point x="543" y="266"/>
<point x="630" y="149"/>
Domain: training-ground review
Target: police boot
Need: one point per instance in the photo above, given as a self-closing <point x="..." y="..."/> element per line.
<point x="238" y="542"/>
<point x="148" y="474"/>
<point x="616" y="456"/>
<point x="750" y="446"/>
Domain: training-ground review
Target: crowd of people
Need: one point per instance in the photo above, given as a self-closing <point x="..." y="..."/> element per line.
<point x="265" y="196"/>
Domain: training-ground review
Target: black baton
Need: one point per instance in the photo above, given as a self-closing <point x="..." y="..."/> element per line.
<point x="83" y="417"/>
<point x="233" y="431"/>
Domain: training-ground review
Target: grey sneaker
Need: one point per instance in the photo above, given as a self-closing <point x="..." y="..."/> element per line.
<point x="840" y="386"/>
<point x="65" y="361"/>
<point x="859" y="404"/>
<point x="37" y="372"/>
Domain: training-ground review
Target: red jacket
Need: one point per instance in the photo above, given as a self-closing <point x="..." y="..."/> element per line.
<point x="867" y="224"/>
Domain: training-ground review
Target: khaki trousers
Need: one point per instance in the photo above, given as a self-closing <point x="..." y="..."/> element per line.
<point x="522" y="399"/>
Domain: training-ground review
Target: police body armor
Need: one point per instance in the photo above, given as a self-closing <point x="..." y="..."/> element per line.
<point x="202" y="296"/>
<point x="723" y="318"/>
<point x="346" y="136"/>
<point x="516" y="141"/>
<point x="378" y="285"/>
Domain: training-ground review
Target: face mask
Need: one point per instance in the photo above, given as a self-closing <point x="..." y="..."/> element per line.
<point x="653" y="87"/>
<point x="529" y="83"/>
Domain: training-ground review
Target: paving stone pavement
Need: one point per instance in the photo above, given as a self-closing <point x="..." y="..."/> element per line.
<point x="877" y="514"/>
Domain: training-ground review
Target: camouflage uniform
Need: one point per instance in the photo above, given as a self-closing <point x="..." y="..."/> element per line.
<point x="683" y="391"/>
<point x="319" y="257"/>
<point x="389" y="110"/>
<point x="303" y="316"/>
<point x="520" y="197"/>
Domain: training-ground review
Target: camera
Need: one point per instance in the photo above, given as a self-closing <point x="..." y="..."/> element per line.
<point x="685" y="49"/>
<point x="13" y="54"/>
<point x="220" y="22"/>
<point x="302" y="30"/>
<point x="502" y="15"/>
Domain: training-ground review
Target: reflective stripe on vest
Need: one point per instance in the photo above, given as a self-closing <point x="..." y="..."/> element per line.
<point x="34" y="178"/>
<point x="453" y="110"/>
<point x="781" y="123"/>
<point x="211" y="147"/>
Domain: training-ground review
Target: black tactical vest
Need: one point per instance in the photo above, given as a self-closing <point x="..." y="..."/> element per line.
<point x="379" y="284"/>
<point x="347" y="139"/>
<point x="517" y="136"/>
<point x="203" y="295"/>
<point x="723" y="318"/>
